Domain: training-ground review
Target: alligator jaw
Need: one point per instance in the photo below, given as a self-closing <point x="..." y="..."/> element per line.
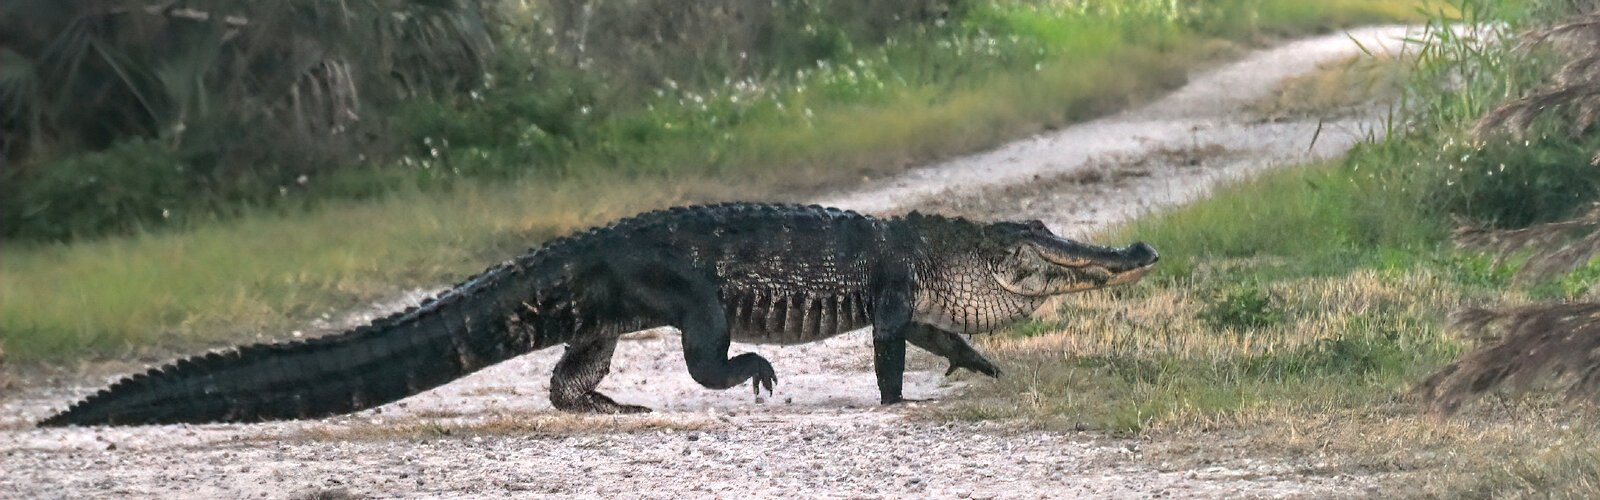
<point x="1054" y="266"/>
<point x="1136" y="259"/>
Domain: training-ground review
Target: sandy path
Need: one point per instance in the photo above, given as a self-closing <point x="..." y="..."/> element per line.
<point x="821" y="434"/>
<point x="1143" y="158"/>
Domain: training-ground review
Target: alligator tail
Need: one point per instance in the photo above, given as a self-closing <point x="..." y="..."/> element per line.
<point x="446" y="338"/>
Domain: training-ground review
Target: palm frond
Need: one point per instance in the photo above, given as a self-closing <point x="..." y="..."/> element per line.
<point x="1524" y="346"/>
<point x="1574" y="87"/>
<point x="1556" y="247"/>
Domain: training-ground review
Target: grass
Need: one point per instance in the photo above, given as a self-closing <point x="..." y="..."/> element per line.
<point x="1293" y="351"/>
<point x="1293" y="313"/>
<point x="1154" y="358"/>
<point x="259" y="277"/>
<point x="262" y="274"/>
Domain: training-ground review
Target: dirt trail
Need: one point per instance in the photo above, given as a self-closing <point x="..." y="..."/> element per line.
<point x="822" y="434"/>
<point x="1089" y="175"/>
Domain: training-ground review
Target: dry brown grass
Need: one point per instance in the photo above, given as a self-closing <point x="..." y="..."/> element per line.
<point x="1165" y="321"/>
<point x="1534" y="448"/>
<point x="1145" y="358"/>
<point x="1337" y="88"/>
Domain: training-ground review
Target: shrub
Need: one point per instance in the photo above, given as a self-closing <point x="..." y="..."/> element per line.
<point x="132" y="182"/>
<point x="1243" y="309"/>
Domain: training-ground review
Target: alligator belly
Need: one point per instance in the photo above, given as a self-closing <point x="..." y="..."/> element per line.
<point x="763" y="336"/>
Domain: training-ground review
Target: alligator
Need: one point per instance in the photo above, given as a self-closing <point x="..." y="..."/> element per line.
<point x="759" y="273"/>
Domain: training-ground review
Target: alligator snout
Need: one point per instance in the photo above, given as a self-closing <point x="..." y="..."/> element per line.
<point x="1141" y="254"/>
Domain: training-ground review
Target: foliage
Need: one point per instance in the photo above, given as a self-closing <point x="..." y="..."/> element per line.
<point x="1243" y="309"/>
<point x="310" y="101"/>
<point x="248" y="96"/>
<point x="1556" y="247"/>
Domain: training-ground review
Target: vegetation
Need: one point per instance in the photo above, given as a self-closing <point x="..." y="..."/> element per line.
<point x="1320" y="314"/>
<point x="286" y="105"/>
<point x="539" y="149"/>
<point x="1306" y="314"/>
<point x="123" y="113"/>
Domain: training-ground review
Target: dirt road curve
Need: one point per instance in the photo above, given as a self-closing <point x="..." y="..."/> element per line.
<point x="493" y="434"/>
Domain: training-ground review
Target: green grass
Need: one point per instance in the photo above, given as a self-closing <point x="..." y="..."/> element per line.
<point x="1292" y="312"/>
<point x="1275" y="292"/>
<point x="258" y="277"/>
<point x="216" y="281"/>
<point x="1327" y="219"/>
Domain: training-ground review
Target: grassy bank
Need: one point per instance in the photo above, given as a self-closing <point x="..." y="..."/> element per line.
<point x="269" y="271"/>
<point x="1294" y="312"/>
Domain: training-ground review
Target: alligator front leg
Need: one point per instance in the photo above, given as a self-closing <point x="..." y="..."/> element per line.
<point x="952" y="347"/>
<point x="890" y="323"/>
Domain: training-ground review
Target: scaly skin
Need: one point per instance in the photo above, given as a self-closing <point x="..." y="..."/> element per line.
<point x="781" y="274"/>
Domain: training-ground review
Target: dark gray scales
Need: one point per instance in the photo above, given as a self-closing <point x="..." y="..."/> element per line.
<point x="760" y="273"/>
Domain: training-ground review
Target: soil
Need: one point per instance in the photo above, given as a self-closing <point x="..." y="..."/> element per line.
<point x="821" y="434"/>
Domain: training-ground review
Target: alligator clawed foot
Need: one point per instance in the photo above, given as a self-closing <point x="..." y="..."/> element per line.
<point x="595" y="402"/>
<point x="905" y="401"/>
<point x="766" y="377"/>
<point x="983" y="366"/>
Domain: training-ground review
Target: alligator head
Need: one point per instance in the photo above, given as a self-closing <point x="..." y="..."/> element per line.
<point x="1034" y="262"/>
<point x="975" y="278"/>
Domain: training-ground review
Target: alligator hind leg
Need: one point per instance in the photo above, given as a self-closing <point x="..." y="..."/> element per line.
<point x="666" y="287"/>
<point x="579" y="372"/>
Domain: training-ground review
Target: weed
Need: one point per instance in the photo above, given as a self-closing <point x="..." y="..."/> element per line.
<point x="1243" y="309"/>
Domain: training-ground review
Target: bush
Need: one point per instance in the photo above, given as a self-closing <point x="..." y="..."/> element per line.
<point x="129" y="184"/>
<point x="1514" y="185"/>
<point x="640" y="44"/>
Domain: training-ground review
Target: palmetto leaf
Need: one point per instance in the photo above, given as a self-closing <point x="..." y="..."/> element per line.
<point x="1557" y="342"/>
<point x="1556" y="247"/>
<point x="19" y="81"/>
<point x="301" y="67"/>
<point x="1574" y="87"/>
